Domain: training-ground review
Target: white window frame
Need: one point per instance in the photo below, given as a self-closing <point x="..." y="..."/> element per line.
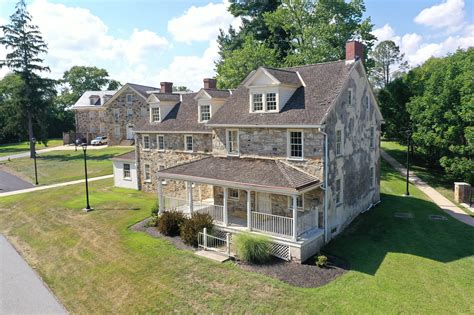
<point x="147" y="176"/>
<point x="152" y="118"/>
<point x="127" y="96"/>
<point x="129" y="113"/>
<point x="119" y="133"/>
<point x="350" y="96"/>
<point x="290" y="202"/>
<point x="233" y="197"/>
<point x="144" y="142"/>
<point x="340" y="143"/>
<point x="227" y="142"/>
<point x="372" y="137"/>
<point x="340" y="191"/>
<point x="262" y="102"/>
<point x="129" y="177"/>
<point x="276" y="102"/>
<point x="116" y="113"/>
<point x="288" y="144"/>
<point x="186" y="143"/>
<point x="200" y="112"/>
<point x="158" y="137"/>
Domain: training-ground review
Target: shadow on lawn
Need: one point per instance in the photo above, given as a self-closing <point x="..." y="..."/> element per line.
<point x="73" y="156"/>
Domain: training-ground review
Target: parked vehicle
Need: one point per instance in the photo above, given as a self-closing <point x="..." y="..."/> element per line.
<point x="100" y="141"/>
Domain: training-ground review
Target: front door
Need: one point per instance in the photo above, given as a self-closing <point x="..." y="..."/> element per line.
<point x="130" y="132"/>
<point x="264" y="203"/>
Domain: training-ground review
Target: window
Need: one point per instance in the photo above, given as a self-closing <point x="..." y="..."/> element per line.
<point x="155" y="114"/>
<point x="147" y="172"/>
<point x="233" y="194"/>
<point x="372" y="177"/>
<point x="338" y="191"/>
<point x="126" y="171"/>
<point x="232" y="142"/>
<point x="146" y="142"/>
<point x="349" y="97"/>
<point x="295" y="144"/>
<point x="160" y="168"/>
<point x="271" y="101"/>
<point x="367" y="105"/>
<point x="116" y="113"/>
<point x="257" y="102"/>
<point x="372" y="137"/>
<point x="129" y="98"/>
<point x="129" y="113"/>
<point x="205" y="112"/>
<point x="299" y="202"/>
<point x="117" y="132"/>
<point x="161" y="142"/>
<point x="338" y="142"/>
<point x="188" y="143"/>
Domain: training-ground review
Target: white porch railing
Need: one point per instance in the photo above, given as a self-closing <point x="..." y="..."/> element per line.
<point x="215" y="211"/>
<point x="307" y="220"/>
<point x="273" y="224"/>
<point x="214" y="243"/>
<point x="178" y="204"/>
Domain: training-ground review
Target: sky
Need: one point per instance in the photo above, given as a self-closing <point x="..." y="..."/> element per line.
<point x="147" y="42"/>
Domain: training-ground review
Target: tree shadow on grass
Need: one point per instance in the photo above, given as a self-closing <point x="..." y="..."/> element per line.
<point x="374" y="234"/>
<point x="74" y="157"/>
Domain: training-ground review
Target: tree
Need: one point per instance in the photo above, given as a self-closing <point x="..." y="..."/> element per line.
<point x="26" y="45"/>
<point x="388" y="63"/>
<point x="180" y="88"/>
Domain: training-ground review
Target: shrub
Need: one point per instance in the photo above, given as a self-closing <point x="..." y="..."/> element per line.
<point x="192" y="226"/>
<point x="252" y="248"/>
<point x="153" y="222"/>
<point x="169" y="222"/>
<point x="155" y="209"/>
<point x="321" y="261"/>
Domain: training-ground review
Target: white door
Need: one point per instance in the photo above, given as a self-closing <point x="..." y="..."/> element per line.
<point x="264" y="203"/>
<point x="130" y="132"/>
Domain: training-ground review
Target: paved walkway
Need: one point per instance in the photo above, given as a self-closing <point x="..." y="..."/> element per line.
<point x="442" y="202"/>
<point x="58" y="148"/>
<point x="17" y="192"/>
<point x="10" y="182"/>
<point x="21" y="290"/>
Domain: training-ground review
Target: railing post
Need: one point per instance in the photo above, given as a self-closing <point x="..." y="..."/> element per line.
<point x="204" y="242"/>
<point x="160" y="197"/>
<point x="190" y="197"/>
<point x="226" y="198"/>
<point x="227" y="240"/>
<point x="249" y="211"/>
<point x="295" y="215"/>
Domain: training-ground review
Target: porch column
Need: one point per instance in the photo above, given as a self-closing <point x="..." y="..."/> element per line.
<point x="190" y="197"/>
<point x="161" y="203"/>
<point x="295" y="216"/>
<point x="249" y="211"/>
<point x="226" y="215"/>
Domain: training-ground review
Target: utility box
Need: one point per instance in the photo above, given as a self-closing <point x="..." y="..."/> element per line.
<point x="462" y="192"/>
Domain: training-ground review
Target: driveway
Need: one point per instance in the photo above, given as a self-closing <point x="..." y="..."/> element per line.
<point x="21" y="290"/>
<point x="10" y="182"/>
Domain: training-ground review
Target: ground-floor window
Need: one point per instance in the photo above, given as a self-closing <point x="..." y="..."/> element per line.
<point x="147" y="172"/>
<point x="233" y="193"/>
<point x="126" y="171"/>
<point x="117" y="132"/>
<point x="299" y="202"/>
<point x="338" y="191"/>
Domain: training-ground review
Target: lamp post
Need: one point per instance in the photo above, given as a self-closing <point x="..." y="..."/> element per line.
<point x="34" y="158"/>
<point x="88" y="207"/>
<point x="407" y="192"/>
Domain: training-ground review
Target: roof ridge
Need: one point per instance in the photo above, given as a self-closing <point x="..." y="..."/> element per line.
<point x="279" y="69"/>
<point x="283" y="170"/>
<point x="185" y="162"/>
<point x="314" y="64"/>
<point x="298" y="169"/>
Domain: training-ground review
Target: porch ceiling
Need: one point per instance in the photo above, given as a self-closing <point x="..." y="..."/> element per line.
<point x="244" y="173"/>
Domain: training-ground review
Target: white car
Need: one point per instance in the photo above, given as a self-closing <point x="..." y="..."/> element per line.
<point x="100" y="141"/>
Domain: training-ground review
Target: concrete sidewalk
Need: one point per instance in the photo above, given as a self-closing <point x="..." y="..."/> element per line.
<point x="23" y="191"/>
<point x="21" y="290"/>
<point x="442" y="202"/>
<point x="58" y="148"/>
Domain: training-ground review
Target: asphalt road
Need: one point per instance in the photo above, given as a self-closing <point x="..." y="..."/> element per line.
<point x="9" y="182"/>
<point x="21" y="290"/>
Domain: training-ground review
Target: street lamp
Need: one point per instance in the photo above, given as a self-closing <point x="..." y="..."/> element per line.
<point x="88" y="207"/>
<point x="34" y="158"/>
<point x="408" y="132"/>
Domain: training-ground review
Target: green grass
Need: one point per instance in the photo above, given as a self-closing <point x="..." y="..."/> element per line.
<point x="432" y="176"/>
<point x="94" y="264"/>
<point x="14" y="148"/>
<point x="62" y="166"/>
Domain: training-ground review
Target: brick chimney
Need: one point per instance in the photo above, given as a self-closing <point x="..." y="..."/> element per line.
<point x="354" y="51"/>
<point x="210" y="83"/>
<point x="166" y="87"/>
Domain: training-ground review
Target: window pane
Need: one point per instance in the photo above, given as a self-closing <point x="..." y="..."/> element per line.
<point x="257" y="102"/>
<point x="146" y="142"/>
<point x="189" y="143"/>
<point x="338" y="142"/>
<point x="155" y="114"/>
<point x="161" y="142"/>
<point x="271" y="101"/>
<point x="233" y="193"/>
<point x="126" y="170"/>
<point x="232" y="141"/>
<point x="147" y="172"/>
<point x="296" y="144"/>
<point x="205" y="112"/>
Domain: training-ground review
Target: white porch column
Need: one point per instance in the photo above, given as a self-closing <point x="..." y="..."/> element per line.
<point x="190" y="197"/>
<point x="295" y="216"/>
<point x="249" y="211"/>
<point x="226" y="198"/>
<point x="161" y="203"/>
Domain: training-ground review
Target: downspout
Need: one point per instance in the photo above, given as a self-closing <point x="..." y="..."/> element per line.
<point x="137" y="162"/>
<point x="326" y="158"/>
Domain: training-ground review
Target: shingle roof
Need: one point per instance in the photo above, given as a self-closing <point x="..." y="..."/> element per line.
<point x="218" y="93"/>
<point x="84" y="100"/>
<point x="142" y="89"/>
<point x="130" y="156"/>
<point x="285" y="76"/>
<point x="263" y="173"/>
<point x="307" y="106"/>
<point x="167" y="97"/>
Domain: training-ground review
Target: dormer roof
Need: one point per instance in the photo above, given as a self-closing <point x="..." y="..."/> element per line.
<point x="277" y="76"/>
<point x="213" y="93"/>
<point x="164" y="97"/>
<point x="85" y="100"/>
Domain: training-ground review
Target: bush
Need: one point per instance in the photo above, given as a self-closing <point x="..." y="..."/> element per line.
<point x="169" y="222"/>
<point x="192" y="226"/>
<point x="321" y="261"/>
<point x="153" y="222"/>
<point x="155" y="209"/>
<point x="252" y="248"/>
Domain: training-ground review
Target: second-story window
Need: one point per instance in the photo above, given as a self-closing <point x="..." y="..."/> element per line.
<point x="161" y="142"/>
<point x="372" y="137"/>
<point x="257" y="103"/>
<point x="188" y="143"/>
<point x="271" y="101"/>
<point x="129" y="113"/>
<point x="116" y="112"/>
<point x="155" y="114"/>
<point x="349" y="97"/>
<point x="205" y="112"/>
<point x="295" y="144"/>
<point x="338" y="142"/>
<point x="146" y="142"/>
<point x="367" y="106"/>
<point x="129" y="98"/>
<point x="232" y="142"/>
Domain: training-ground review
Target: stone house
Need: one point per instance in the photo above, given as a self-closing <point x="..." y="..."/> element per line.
<point x="292" y="153"/>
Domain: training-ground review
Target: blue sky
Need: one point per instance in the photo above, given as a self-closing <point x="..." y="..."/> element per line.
<point x="151" y="41"/>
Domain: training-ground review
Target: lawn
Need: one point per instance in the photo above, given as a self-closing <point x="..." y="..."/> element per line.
<point x="14" y="148"/>
<point x="94" y="264"/>
<point x="432" y="176"/>
<point x="61" y="166"/>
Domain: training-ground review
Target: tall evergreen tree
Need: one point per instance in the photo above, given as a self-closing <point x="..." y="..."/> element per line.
<point x="27" y="45"/>
<point x="388" y="63"/>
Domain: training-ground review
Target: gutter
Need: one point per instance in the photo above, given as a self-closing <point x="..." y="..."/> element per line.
<point x="325" y="188"/>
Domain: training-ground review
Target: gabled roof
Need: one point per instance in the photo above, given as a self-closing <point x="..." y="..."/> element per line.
<point x="167" y="97"/>
<point x="142" y="89"/>
<point x="307" y="106"/>
<point x="84" y="100"/>
<point x="285" y="76"/>
<point x="129" y="156"/>
<point x="213" y="93"/>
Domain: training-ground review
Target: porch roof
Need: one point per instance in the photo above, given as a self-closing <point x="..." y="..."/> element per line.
<point x="244" y="173"/>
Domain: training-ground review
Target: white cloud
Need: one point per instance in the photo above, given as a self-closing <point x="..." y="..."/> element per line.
<point x="202" y="23"/>
<point x="385" y="32"/>
<point x="449" y="14"/>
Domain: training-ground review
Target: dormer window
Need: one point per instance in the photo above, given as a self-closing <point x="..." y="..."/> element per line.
<point x="204" y="113"/>
<point x="155" y="114"/>
<point x="257" y="100"/>
<point x="129" y="98"/>
<point x="264" y="102"/>
<point x="271" y="101"/>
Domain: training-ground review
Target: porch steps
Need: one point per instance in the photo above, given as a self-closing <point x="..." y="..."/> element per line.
<point x="212" y="255"/>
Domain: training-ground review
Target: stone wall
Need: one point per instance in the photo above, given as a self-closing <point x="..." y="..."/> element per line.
<point x="88" y="123"/>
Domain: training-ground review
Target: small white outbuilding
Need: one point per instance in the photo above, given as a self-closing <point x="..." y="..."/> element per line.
<point x="125" y="171"/>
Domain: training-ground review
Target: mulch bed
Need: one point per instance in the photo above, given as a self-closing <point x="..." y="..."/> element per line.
<point x="305" y="275"/>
